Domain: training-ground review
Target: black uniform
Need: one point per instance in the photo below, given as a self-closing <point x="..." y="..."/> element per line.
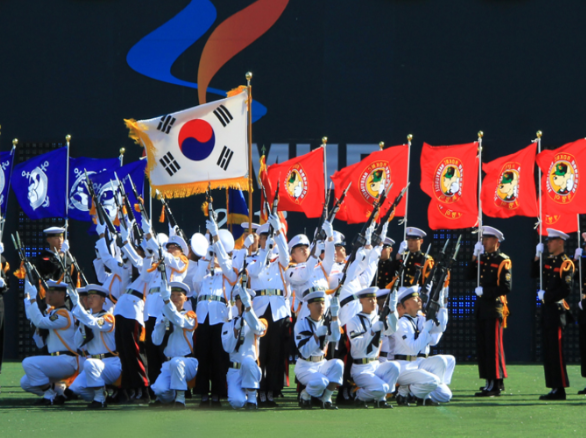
<point x="3" y="290"/>
<point x="582" y="320"/>
<point x="385" y="273"/>
<point x="50" y="268"/>
<point x="558" y="272"/>
<point x="414" y="262"/>
<point x="496" y="282"/>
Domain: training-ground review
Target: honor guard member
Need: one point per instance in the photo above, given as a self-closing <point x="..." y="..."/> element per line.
<point x="240" y="338"/>
<point x="558" y="272"/>
<point x="386" y="266"/>
<point x="579" y="258"/>
<point x="491" y="308"/>
<point x="268" y="279"/>
<point x="374" y="379"/>
<point x="47" y="264"/>
<point x="312" y="336"/>
<point x="198" y="245"/>
<point x="217" y="278"/>
<point x="340" y="258"/>
<point x="308" y="274"/>
<point x="381" y="298"/>
<point x="179" y="371"/>
<point x="413" y="258"/>
<point x="4" y="286"/>
<point x="249" y="251"/>
<point x="96" y="335"/>
<point x="62" y="361"/>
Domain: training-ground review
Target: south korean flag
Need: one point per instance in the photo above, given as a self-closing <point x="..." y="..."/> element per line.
<point x="188" y="148"/>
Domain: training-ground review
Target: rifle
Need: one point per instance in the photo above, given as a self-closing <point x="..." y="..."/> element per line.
<point x="170" y="217"/>
<point x="419" y="271"/>
<point x="77" y="268"/>
<point x="386" y="310"/>
<point x="272" y="231"/>
<point x="376" y="240"/>
<point x="66" y="273"/>
<point x="319" y="233"/>
<point x="138" y="233"/>
<point x="433" y="305"/>
<point x="211" y="213"/>
<point x="32" y="274"/>
<point x="338" y="204"/>
<point x="431" y="278"/>
<point x="103" y="217"/>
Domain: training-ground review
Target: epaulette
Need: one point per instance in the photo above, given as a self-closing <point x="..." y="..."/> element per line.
<point x="504" y="256"/>
<point x="427" y="256"/>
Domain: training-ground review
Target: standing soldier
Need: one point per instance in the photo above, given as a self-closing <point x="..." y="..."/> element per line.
<point x="386" y="266"/>
<point x="47" y="264"/>
<point x="491" y="309"/>
<point x="579" y="258"/>
<point x="558" y="272"/>
<point x="3" y="289"/>
<point x="414" y="259"/>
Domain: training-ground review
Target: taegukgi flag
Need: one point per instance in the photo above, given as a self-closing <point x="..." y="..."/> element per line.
<point x="187" y="149"/>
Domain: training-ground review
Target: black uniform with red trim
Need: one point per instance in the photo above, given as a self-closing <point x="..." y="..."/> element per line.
<point x="413" y="263"/>
<point x="491" y="313"/>
<point x="558" y="273"/>
<point x="4" y="268"/>
<point x="582" y="319"/>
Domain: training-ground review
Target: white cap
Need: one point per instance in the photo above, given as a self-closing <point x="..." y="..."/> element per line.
<point x="227" y="240"/>
<point x="368" y="292"/>
<point x="81" y="290"/>
<point x="491" y="231"/>
<point x="416" y="233"/>
<point x="52" y="284"/>
<point x="162" y="239"/>
<point x="407" y="292"/>
<point x="339" y="239"/>
<point x="388" y="241"/>
<point x="177" y="286"/>
<point x="54" y="230"/>
<point x="96" y="288"/>
<point x="300" y="239"/>
<point x="254" y="226"/>
<point x="178" y="240"/>
<point x="382" y="292"/>
<point x="556" y="234"/>
<point x="199" y="244"/>
<point x="315" y="295"/>
<point x="264" y="228"/>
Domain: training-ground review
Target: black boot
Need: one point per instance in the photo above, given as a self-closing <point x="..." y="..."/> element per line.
<point x="555" y="394"/>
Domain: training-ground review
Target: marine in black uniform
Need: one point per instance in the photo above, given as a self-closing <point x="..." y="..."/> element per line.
<point x="579" y="257"/>
<point x="413" y="258"/>
<point x="491" y="309"/>
<point x="47" y="263"/>
<point x="386" y="265"/>
<point x="558" y="273"/>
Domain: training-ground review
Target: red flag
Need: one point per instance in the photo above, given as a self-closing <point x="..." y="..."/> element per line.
<point x="263" y="178"/>
<point x="567" y="223"/>
<point x="449" y="175"/>
<point x="302" y="183"/>
<point x="561" y="184"/>
<point x="508" y="189"/>
<point x="368" y="178"/>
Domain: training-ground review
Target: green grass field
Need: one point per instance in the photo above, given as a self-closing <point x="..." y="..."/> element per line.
<point x="516" y="413"/>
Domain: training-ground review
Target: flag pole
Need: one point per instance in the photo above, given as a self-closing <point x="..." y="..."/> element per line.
<point x="14" y="143"/>
<point x="580" y="259"/>
<point x="68" y="141"/>
<point x="324" y="141"/>
<point x="480" y="135"/>
<point x="250" y="209"/>
<point x="121" y="157"/>
<point x="539" y="134"/>
<point x="409" y="138"/>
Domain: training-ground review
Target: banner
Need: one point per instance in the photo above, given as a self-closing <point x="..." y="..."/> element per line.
<point x="449" y="175"/>
<point x="567" y="223"/>
<point x="39" y="184"/>
<point x="508" y="189"/>
<point x="237" y="212"/>
<point x="369" y="177"/>
<point x="5" y="173"/>
<point x="187" y="149"/>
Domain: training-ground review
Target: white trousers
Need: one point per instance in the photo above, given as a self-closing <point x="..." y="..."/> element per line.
<point x="416" y="380"/>
<point x="42" y="370"/>
<point x="375" y="380"/>
<point x="442" y="365"/>
<point x="316" y="376"/>
<point x="248" y="376"/>
<point x="96" y="373"/>
<point x="174" y="376"/>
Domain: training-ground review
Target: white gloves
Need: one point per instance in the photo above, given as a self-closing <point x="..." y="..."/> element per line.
<point x="403" y="247"/>
<point x="428" y="287"/>
<point x="335" y="306"/>
<point x="540" y="294"/>
<point x="478" y="249"/>
<point x="65" y="246"/>
<point x="30" y="290"/>
<point x="328" y="228"/>
<point x="577" y="254"/>
<point x="383" y="234"/>
<point x="274" y="222"/>
<point x="146" y="226"/>
<point x="478" y="291"/>
<point x="428" y="325"/>
<point x="442" y="298"/>
<point x="539" y="249"/>
<point x="245" y="298"/>
<point x="248" y="241"/>
<point x="166" y="293"/>
<point x="320" y="246"/>
<point x="393" y="300"/>
<point x="73" y="295"/>
<point x="1" y="248"/>
<point x="368" y="234"/>
<point x="321" y="331"/>
<point x="378" y="326"/>
<point x="2" y="283"/>
<point x="100" y="228"/>
<point x="212" y="226"/>
<point x="580" y="305"/>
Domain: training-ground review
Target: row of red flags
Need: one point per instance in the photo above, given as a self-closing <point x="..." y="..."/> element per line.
<point x="449" y="176"/>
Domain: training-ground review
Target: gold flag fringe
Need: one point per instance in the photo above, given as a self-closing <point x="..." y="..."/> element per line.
<point x="171" y="191"/>
<point x="138" y="134"/>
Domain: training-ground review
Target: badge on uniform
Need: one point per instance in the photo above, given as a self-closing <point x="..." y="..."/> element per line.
<point x="101" y="322"/>
<point x="54" y="317"/>
<point x="568" y="279"/>
<point x="508" y="276"/>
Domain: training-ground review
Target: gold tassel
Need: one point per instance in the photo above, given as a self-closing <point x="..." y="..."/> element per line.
<point x="20" y="273"/>
<point x="204" y="208"/>
<point x="162" y="217"/>
<point x="235" y="91"/>
<point x="142" y="335"/>
<point x="42" y="291"/>
<point x="124" y="210"/>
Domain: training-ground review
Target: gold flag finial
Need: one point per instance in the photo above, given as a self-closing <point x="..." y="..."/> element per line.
<point x="68" y="138"/>
<point x="539" y="134"/>
<point x="15" y="142"/>
<point x="409" y="137"/>
<point x="480" y="134"/>
<point x="248" y="76"/>
<point x="381" y="145"/>
<point x="324" y="140"/>
<point x="122" y="150"/>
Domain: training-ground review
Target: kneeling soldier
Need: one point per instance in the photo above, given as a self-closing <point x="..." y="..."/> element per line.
<point x="180" y="367"/>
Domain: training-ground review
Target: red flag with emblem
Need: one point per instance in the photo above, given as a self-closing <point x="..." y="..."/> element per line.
<point x="567" y="223"/>
<point x="302" y="183"/>
<point x="369" y="177"/>
<point x="561" y="185"/>
<point x="449" y="175"/>
<point x="508" y="189"/>
<point x="263" y="178"/>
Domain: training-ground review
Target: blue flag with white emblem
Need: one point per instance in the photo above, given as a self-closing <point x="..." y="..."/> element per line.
<point x="5" y="173"/>
<point x="79" y="198"/>
<point x="40" y="184"/>
<point x="188" y="149"/>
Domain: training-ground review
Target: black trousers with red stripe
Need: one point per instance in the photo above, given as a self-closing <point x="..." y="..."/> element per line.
<point x="554" y="362"/>
<point x="154" y="353"/>
<point x="582" y="338"/>
<point x="274" y="349"/>
<point x="489" y="349"/>
<point x="131" y="353"/>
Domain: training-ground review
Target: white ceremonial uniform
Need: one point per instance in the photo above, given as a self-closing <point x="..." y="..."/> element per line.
<point x="103" y="367"/>
<point x="118" y="279"/>
<point x="130" y="304"/>
<point x="244" y="372"/>
<point x="312" y="369"/>
<point x="374" y="379"/>
<point x="411" y="350"/>
<point x="181" y="366"/>
<point x="42" y="370"/>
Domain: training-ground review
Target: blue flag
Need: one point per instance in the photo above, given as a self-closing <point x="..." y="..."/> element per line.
<point x="39" y="184"/>
<point x="237" y="213"/>
<point x="5" y="173"/>
<point x="105" y="184"/>
<point x="79" y="198"/>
